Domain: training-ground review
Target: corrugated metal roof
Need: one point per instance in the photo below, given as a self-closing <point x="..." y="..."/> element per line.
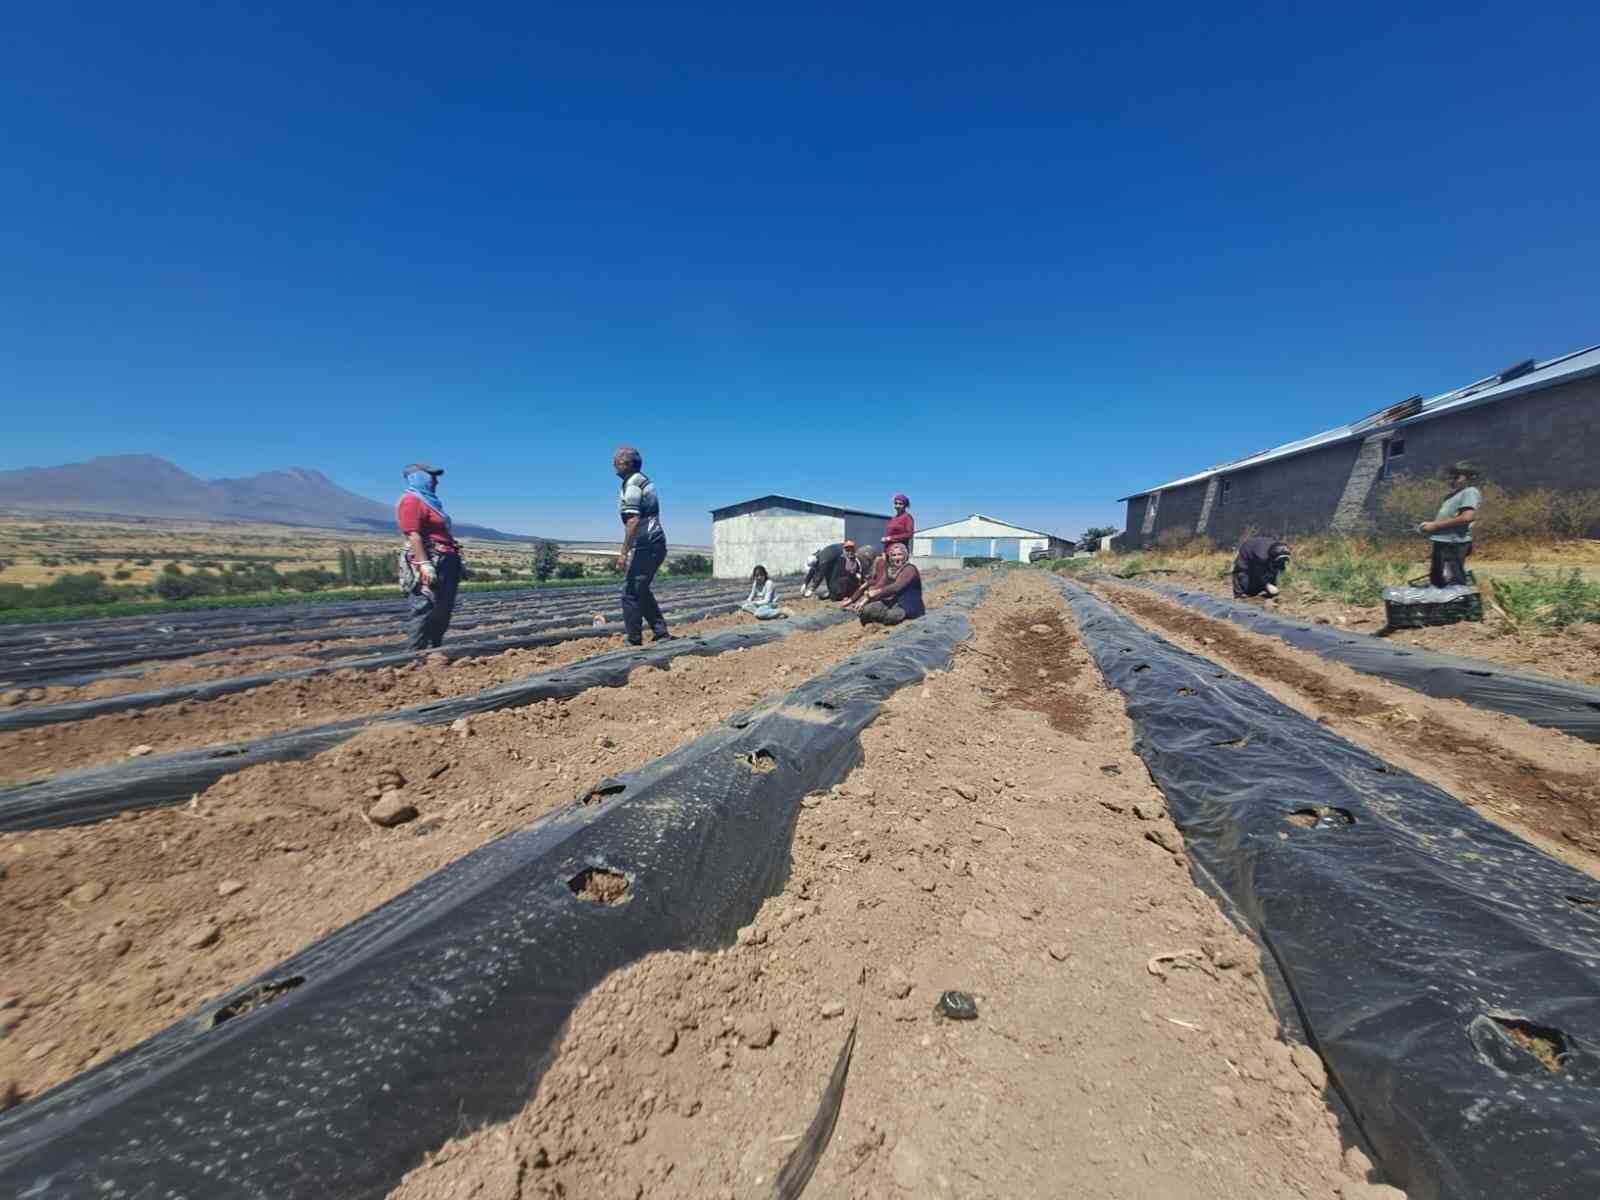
<point x="1546" y="374"/>
<point x="813" y="504"/>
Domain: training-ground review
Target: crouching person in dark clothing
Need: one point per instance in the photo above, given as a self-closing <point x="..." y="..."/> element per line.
<point x="431" y="568"/>
<point x="895" y="593"/>
<point x="1257" y="566"/>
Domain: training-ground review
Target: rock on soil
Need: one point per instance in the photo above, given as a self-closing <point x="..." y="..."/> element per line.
<point x="391" y="810"/>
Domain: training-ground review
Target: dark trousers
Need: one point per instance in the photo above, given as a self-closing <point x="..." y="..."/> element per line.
<point x="430" y="615"/>
<point x="1252" y="580"/>
<point x="876" y="612"/>
<point x="1449" y="566"/>
<point x="638" y="601"/>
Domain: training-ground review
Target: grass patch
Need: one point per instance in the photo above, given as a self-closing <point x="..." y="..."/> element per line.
<point x="1547" y="601"/>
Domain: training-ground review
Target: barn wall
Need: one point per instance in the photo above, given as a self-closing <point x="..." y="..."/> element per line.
<point x="779" y="539"/>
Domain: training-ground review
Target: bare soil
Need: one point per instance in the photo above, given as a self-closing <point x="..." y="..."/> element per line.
<point x="1573" y="653"/>
<point x="98" y="927"/>
<point x="1538" y="782"/>
<point x="1003" y="839"/>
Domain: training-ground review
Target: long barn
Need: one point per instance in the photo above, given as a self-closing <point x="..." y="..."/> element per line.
<point x="1533" y="425"/>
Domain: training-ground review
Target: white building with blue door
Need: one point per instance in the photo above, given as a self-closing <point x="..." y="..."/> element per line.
<point x="978" y="536"/>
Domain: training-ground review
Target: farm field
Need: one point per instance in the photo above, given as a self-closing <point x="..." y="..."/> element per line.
<point x="677" y="921"/>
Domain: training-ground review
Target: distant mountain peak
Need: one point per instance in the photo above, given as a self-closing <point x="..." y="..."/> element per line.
<point x="146" y="485"/>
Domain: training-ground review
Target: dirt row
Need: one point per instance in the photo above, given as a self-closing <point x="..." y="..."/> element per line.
<point x="1002" y="839"/>
<point x="1541" y="784"/>
<point x="1573" y="653"/>
<point x="111" y="931"/>
<point x="288" y="704"/>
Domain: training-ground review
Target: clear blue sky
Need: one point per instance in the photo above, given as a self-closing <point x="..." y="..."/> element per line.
<point x="1019" y="259"/>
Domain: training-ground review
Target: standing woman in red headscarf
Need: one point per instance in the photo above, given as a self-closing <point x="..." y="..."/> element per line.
<point x="900" y="526"/>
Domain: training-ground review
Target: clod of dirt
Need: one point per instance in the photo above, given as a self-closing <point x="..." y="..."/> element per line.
<point x="462" y="728"/>
<point x="831" y="1008"/>
<point x="113" y="944"/>
<point x="1356" y="1164"/>
<point x="749" y="935"/>
<point x="599" y="886"/>
<point x="257" y="997"/>
<point x="140" y="751"/>
<point x="755" y="1031"/>
<point x="1041" y="628"/>
<point x="10" y="1096"/>
<point x="663" y="1038"/>
<point x="1309" y="1063"/>
<point x="980" y="924"/>
<point x="88" y="893"/>
<point x="895" y="985"/>
<point x="201" y="936"/>
<point x="391" y="810"/>
<point x="230" y="887"/>
<point x="1166" y="838"/>
<point x="1059" y="951"/>
<point x="1148" y="811"/>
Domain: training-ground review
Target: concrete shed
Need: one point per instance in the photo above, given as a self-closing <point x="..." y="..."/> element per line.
<point x="781" y="532"/>
<point x="978" y="536"/>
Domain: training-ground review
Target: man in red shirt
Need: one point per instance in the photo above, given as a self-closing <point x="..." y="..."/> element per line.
<point x="432" y="555"/>
<point x="900" y="527"/>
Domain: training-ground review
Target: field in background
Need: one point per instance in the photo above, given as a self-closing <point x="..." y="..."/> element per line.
<point x="51" y="560"/>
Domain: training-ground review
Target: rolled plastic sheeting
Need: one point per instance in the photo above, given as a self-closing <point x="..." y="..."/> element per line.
<point x="36" y="716"/>
<point x="1538" y="699"/>
<point x="1416" y="938"/>
<point x="94" y="793"/>
<point x="438" y="1011"/>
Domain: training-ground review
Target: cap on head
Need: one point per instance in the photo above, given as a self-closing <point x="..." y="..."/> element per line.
<point x="902" y="498"/>
<point x="422" y="466"/>
<point x="1464" y="466"/>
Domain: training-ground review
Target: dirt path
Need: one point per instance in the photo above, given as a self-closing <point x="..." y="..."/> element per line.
<point x="1570" y="654"/>
<point x="107" y="930"/>
<point x="1002" y="839"/>
<point x="34" y="753"/>
<point x="1539" y="783"/>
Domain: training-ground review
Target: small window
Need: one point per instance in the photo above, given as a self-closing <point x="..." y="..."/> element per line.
<point x="1226" y="484"/>
<point x="1394" y="448"/>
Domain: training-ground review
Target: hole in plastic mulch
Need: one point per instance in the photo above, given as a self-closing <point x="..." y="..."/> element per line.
<point x="1186" y="691"/>
<point x="259" y="996"/>
<point x="1141" y="667"/>
<point x="827" y="704"/>
<point x="1320" y="816"/>
<point x="600" y="791"/>
<point x="760" y="761"/>
<point x="600" y="886"/>
<point x="1590" y="904"/>
<point x="1519" y="1046"/>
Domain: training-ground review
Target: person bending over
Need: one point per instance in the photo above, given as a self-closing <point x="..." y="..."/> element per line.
<point x="1451" y="531"/>
<point x="1257" y="566"/>
<point x="430" y="567"/>
<point x="895" y="593"/>
<point x="834" y="572"/>
<point x="762" y="602"/>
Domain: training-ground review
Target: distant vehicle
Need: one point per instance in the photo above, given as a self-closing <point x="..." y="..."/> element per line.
<point x="1038" y="553"/>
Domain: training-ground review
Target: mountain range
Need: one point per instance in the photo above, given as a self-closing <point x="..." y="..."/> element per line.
<point x="143" y="485"/>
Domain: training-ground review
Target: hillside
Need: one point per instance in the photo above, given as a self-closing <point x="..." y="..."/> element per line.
<point x="143" y="485"/>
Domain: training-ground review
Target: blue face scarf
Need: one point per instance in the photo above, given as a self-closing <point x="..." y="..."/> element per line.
<point x="421" y="485"/>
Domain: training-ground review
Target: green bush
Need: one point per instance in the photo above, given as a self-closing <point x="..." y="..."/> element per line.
<point x="691" y="564"/>
<point x="570" y="570"/>
<point x="546" y="558"/>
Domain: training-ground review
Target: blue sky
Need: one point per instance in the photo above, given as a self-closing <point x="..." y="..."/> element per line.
<point x="1018" y="259"/>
